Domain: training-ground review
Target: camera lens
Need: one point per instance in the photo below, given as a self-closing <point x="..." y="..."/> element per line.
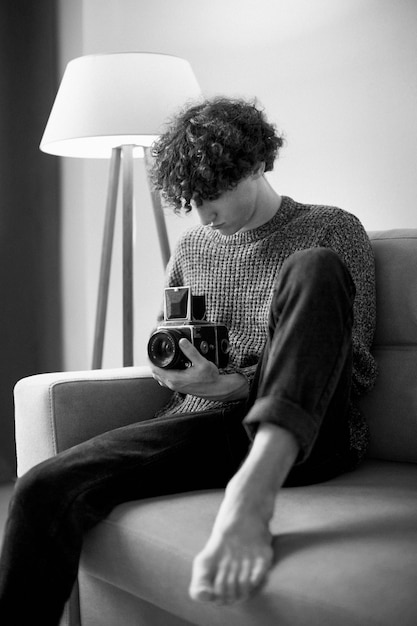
<point x="164" y="350"/>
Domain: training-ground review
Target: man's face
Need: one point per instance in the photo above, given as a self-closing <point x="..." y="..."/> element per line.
<point x="234" y="211"/>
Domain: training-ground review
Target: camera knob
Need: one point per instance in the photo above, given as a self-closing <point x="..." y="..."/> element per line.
<point x="204" y="347"/>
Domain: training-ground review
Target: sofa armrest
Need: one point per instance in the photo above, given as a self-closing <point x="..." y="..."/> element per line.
<point x="56" y="411"/>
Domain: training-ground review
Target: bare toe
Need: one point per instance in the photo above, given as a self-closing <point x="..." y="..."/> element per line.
<point x="260" y="570"/>
<point x="225" y="587"/>
<point x="201" y="586"/>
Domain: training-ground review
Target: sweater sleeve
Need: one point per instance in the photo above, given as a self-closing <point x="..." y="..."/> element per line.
<point x="346" y="236"/>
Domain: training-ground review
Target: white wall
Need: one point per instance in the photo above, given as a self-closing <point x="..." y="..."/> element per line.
<point x="337" y="76"/>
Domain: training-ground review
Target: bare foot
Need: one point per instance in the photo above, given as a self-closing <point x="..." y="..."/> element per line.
<point x="238" y="555"/>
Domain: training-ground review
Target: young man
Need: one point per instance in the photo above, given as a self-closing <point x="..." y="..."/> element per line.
<point x="294" y="284"/>
<point x="279" y="275"/>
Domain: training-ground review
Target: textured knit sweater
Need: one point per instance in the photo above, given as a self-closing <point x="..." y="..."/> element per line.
<point x="237" y="274"/>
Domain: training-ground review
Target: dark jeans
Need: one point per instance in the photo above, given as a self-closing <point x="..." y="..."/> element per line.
<point x="302" y="383"/>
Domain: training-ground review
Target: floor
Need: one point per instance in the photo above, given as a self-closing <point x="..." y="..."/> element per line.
<point x="5" y="493"/>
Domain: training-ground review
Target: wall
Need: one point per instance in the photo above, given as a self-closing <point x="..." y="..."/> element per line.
<point x="338" y="77"/>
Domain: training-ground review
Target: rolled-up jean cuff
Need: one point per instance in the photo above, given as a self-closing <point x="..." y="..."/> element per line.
<point x="285" y="414"/>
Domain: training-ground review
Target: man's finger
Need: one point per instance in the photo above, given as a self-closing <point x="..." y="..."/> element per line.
<point x="188" y="349"/>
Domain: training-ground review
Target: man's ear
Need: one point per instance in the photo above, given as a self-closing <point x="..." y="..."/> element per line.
<point x="259" y="170"/>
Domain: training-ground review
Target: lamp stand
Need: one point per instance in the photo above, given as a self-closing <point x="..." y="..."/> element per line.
<point x="122" y="158"/>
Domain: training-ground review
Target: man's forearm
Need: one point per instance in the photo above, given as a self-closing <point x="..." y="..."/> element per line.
<point x="224" y="388"/>
<point x="230" y="387"/>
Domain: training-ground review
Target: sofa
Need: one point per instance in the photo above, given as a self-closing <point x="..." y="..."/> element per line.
<point x="346" y="549"/>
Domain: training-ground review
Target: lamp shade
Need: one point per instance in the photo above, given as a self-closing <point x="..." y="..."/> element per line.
<point x="108" y="100"/>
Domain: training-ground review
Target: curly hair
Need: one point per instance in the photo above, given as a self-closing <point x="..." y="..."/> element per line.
<point x="209" y="148"/>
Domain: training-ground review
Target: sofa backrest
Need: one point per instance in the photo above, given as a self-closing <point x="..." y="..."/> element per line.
<point x="391" y="407"/>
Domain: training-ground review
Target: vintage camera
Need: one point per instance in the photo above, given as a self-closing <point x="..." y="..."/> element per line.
<point x="185" y="316"/>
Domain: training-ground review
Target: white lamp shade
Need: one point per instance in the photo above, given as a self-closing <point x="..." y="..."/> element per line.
<point x="108" y="100"/>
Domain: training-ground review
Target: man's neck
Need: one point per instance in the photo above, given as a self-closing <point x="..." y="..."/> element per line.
<point x="268" y="201"/>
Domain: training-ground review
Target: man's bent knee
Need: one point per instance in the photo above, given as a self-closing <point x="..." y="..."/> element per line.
<point x="40" y="489"/>
<point x="316" y="266"/>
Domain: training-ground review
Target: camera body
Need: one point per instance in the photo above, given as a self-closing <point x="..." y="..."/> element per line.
<point x="185" y="316"/>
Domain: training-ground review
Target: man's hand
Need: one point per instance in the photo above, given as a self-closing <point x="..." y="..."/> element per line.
<point x="202" y="379"/>
<point x="198" y="379"/>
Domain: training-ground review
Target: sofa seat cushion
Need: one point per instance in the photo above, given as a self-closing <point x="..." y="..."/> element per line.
<point x="345" y="550"/>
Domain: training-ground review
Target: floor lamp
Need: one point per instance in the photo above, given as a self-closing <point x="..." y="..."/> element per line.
<point x="113" y="106"/>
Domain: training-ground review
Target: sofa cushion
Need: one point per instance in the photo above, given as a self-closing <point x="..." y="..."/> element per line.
<point x="345" y="553"/>
<point x="391" y="407"/>
<point x="396" y="287"/>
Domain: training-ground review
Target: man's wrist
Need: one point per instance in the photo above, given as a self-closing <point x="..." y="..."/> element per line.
<point x="233" y="386"/>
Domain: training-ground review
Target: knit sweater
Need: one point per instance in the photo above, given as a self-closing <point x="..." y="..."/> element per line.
<point x="237" y="274"/>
